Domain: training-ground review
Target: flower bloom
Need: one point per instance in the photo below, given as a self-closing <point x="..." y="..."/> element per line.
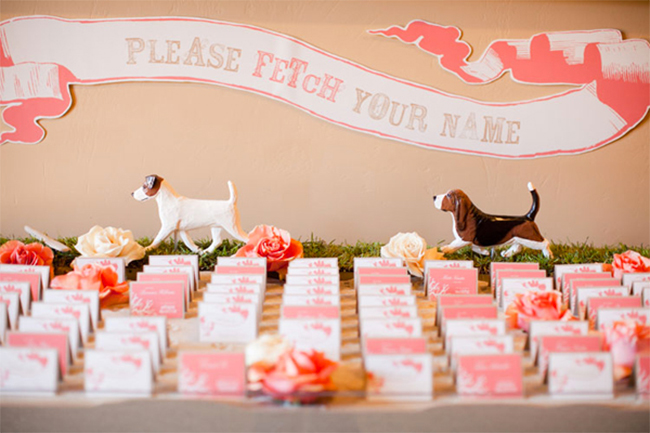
<point x="413" y="249"/>
<point x="93" y="276"/>
<point x="622" y="339"/>
<point x="17" y="253"/>
<point x="110" y="242"/>
<point x="273" y="243"/>
<point x="535" y="305"/>
<point x="629" y="262"/>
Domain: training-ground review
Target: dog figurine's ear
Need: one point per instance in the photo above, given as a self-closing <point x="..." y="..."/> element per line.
<point x="461" y="206"/>
<point x="152" y="184"/>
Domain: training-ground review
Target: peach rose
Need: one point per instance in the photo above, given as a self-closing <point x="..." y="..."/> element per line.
<point x="622" y="339"/>
<point x="110" y="242"/>
<point x="273" y="243"/>
<point x="535" y="305"/>
<point x="93" y="276"/>
<point x="413" y="249"/>
<point x="629" y="262"/>
<point x="17" y="253"/>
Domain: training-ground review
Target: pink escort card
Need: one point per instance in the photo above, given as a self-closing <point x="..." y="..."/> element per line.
<point x="384" y="289"/>
<point x="409" y="312"/>
<point x="156" y="298"/>
<point x="317" y="328"/>
<point x="540" y="328"/>
<point x="185" y="269"/>
<point x="584" y="293"/>
<point x="89" y="297"/>
<point x="239" y="298"/>
<point x="314" y="271"/>
<point x="118" y="372"/>
<point x="116" y="263"/>
<point x="580" y="374"/>
<point x="43" y="271"/>
<point x="30" y="370"/>
<point x="391" y="328"/>
<point x="311" y="300"/>
<point x="325" y="262"/>
<point x="577" y="284"/>
<point x="41" y="340"/>
<point x="211" y="373"/>
<point x="22" y="288"/>
<point x="382" y="279"/>
<point x="108" y="340"/>
<point x="237" y="279"/>
<point x="175" y="277"/>
<point x="594" y="304"/>
<point x="564" y="344"/>
<point x="227" y="323"/>
<point x="317" y="280"/>
<point x="141" y="324"/>
<point x="178" y="260"/>
<point x="508" y="273"/>
<point x="34" y="280"/>
<point x="451" y="300"/>
<point x="642" y="376"/>
<point x="560" y="270"/>
<point x="12" y="301"/>
<point x="377" y="272"/>
<point x="513" y="266"/>
<point x="639" y="286"/>
<point x="39" y="324"/>
<point x="310" y="289"/>
<point x="511" y="287"/>
<point x="568" y="278"/>
<point x="80" y="312"/>
<point x="453" y="264"/>
<point x="490" y="376"/>
<point x="452" y="281"/>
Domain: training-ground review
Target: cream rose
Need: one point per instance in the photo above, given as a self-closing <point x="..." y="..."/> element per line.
<point x="110" y="242"/>
<point x="413" y="249"/>
<point x="266" y="349"/>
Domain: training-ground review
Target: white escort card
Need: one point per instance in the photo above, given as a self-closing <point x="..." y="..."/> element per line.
<point x="52" y="340"/>
<point x="311" y="300"/>
<point x="121" y="372"/>
<point x="324" y="262"/>
<point x="259" y="262"/>
<point x="607" y="316"/>
<point x="12" y="302"/>
<point x="32" y="278"/>
<point x="586" y="374"/>
<point x="408" y="312"/>
<point x="380" y="275"/>
<point x="241" y="269"/>
<point x="560" y="270"/>
<point x="156" y="324"/>
<point x="227" y="323"/>
<point x="539" y="328"/>
<point x="116" y="263"/>
<point x="386" y="301"/>
<point x="584" y="293"/>
<point x="511" y="287"/>
<point x="179" y="260"/>
<point x="569" y="284"/>
<point x="378" y="262"/>
<point x="236" y="289"/>
<point x="580" y="283"/>
<point x="43" y="271"/>
<point x="89" y="297"/>
<point x="314" y="271"/>
<point x="316" y="280"/>
<point x="40" y="324"/>
<point x="225" y="298"/>
<point x="497" y="266"/>
<point x="311" y="289"/>
<point x="639" y="286"/>
<point x="630" y="279"/>
<point x="185" y="269"/>
<point x="237" y="279"/>
<point x="29" y="370"/>
<point x="384" y="289"/>
<point x="4" y="323"/>
<point x="20" y="287"/>
<point x="479" y="345"/>
<point x="80" y="312"/>
<point x="108" y="340"/>
<point x="391" y="328"/>
<point x="473" y="327"/>
<point x="317" y="328"/>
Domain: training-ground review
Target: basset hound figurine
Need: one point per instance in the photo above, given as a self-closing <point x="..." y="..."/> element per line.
<point x="482" y="231"/>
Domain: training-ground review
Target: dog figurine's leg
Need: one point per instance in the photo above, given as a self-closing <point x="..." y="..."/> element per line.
<point x="161" y="236"/>
<point x="454" y="246"/>
<point x="481" y="251"/>
<point x="514" y="249"/>
<point x="543" y="246"/>
<point x="189" y="243"/>
<point x="216" y="240"/>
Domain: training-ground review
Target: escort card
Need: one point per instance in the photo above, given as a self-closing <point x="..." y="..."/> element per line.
<point x="241" y="270"/>
<point x="156" y="298"/>
<point x="580" y="374"/>
<point x="189" y="270"/>
<point x="223" y="298"/>
<point x="473" y="327"/>
<point x="20" y="287"/>
<point x="451" y="300"/>
<point x="179" y="260"/>
<point x="607" y="316"/>
<point x="33" y="370"/>
<point x="385" y="301"/>
<point x="540" y="328"/>
<point x="227" y="323"/>
<point x="646" y="296"/>
<point x="259" y="262"/>
<point x="401" y="377"/>
<point x="80" y="312"/>
<point x="629" y="279"/>
<point x="314" y="271"/>
<point x="141" y="324"/>
<point x="567" y="279"/>
<point x="409" y="312"/>
<point x="560" y="270"/>
<point x="466" y="312"/>
<point x="391" y="328"/>
<point x="639" y="286"/>
<point x="69" y="326"/>
<point x="384" y="289"/>
<point x="148" y="341"/>
<point x="237" y="289"/>
<point x="383" y="279"/>
<point x="89" y="297"/>
<point x="564" y="344"/>
<point x="479" y="345"/>
<point x="394" y="346"/>
<point x="376" y="271"/>
<point x="116" y="263"/>
<point x="237" y="279"/>
<point x="318" y="333"/>
<point x="378" y="262"/>
<point x="642" y="376"/>
<point x="118" y="372"/>
<point x="183" y="278"/>
<point x="41" y="340"/>
<point x="211" y="373"/>
<point x="452" y="281"/>
<point x="453" y="264"/>
<point x="584" y="293"/>
<point x="508" y="273"/>
<point x="43" y="271"/>
<point x="310" y="289"/>
<point x="34" y="280"/>
<point x="579" y="283"/>
<point x="4" y="323"/>
<point x="511" y="287"/>
<point x="324" y="262"/>
<point x="12" y="302"/>
<point x="513" y="266"/>
<point x="311" y="300"/>
<point x="317" y="280"/>
<point x="489" y="376"/>
<point x="594" y="304"/>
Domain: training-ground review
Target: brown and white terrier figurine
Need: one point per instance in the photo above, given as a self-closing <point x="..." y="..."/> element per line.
<point x="482" y="231"/>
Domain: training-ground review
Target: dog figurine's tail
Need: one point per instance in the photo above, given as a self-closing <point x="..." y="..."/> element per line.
<point x="535" y="206"/>
<point x="239" y="233"/>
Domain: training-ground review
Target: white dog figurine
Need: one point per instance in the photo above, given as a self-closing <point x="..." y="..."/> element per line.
<point x="179" y="214"/>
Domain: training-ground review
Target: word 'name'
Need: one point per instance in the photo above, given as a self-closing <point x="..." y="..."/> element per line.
<point x="492" y="130"/>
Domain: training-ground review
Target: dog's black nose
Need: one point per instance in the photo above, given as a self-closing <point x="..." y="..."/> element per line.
<point x="434" y="198"/>
<point x="131" y="194"/>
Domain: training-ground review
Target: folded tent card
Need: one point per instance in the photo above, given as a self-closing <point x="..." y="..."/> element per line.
<point x="157" y="324"/>
<point x="313" y="327"/>
<point x="43" y="271"/>
<point x="211" y="373"/>
<point x="67" y="325"/>
<point x="32" y="278"/>
<point x="580" y="374"/>
<point x="118" y="372"/>
<point x="11" y="302"/>
<point x="29" y="370"/>
<point x="23" y="289"/>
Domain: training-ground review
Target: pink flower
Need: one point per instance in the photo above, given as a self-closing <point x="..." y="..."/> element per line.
<point x="629" y="262"/>
<point x="273" y="243"/>
<point x="94" y="276"/>
<point x="535" y="305"/>
<point x="622" y="339"/>
<point x="17" y="253"/>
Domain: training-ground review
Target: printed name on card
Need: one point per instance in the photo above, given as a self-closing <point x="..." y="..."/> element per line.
<point x="391" y="328"/>
<point x="378" y="262"/>
<point x="141" y="324"/>
<point x="386" y="301"/>
<point x="237" y="279"/>
<point x="453" y="264"/>
<point x="211" y="373"/>
<point x="20" y="287"/>
<point x="539" y="328"/>
<point x="43" y="271"/>
<point x="40" y="340"/>
<point x="509" y="273"/>
<point x="489" y="376"/>
<point x="580" y="374"/>
<point x="642" y="376"/>
<point x="116" y="263"/>
<point x="607" y="316"/>
<point x="451" y="300"/>
<point x="595" y="304"/>
<point x="320" y="333"/>
<point x="516" y="266"/>
<point x="311" y="300"/>
<point x="568" y="278"/>
<point x="630" y="279"/>
<point x="314" y="271"/>
<point x="4" y="323"/>
<point x="69" y="326"/>
<point x="89" y="297"/>
<point x="33" y="278"/>
<point x="565" y="344"/>
<point x="178" y="260"/>
<point x="12" y="301"/>
<point x="30" y="370"/>
<point x="181" y="277"/>
<point x="118" y="372"/>
<point x="400" y="377"/>
<point x="227" y="323"/>
<point x="560" y="270"/>
<point x="79" y="312"/>
<point x="325" y="262"/>
<point x="311" y="289"/>
<point x="511" y="287"/>
<point x="473" y="327"/>
<point x="315" y="280"/>
<point x="408" y="312"/>
<point x="384" y="289"/>
<point x="452" y="281"/>
<point x="126" y="340"/>
<point x="157" y="298"/>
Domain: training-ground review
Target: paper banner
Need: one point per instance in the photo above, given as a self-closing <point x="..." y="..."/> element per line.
<point x="40" y="57"/>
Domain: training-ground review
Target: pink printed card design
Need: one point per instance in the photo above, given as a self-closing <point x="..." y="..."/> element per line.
<point x="508" y="273"/>
<point x="237" y="279"/>
<point x="399" y="377"/>
<point x="565" y="344"/>
<point x="583" y="295"/>
<point x="29" y="370"/>
<point x="607" y="316"/>
<point x="391" y="328"/>
<point x="642" y="376"/>
<point x="458" y="300"/>
<point x="630" y="279"/>
<point x="568" y="278"/>
<point x="311" y="300"/>
<point x="511" y="287"/>
<point x="646" y="297"/>
<point x="12" y="301"/>
<point x="79" y="312"/>
<point x="314" y="280"/>
<point x="513" y="266"/>
<point x="116" y="263"/>
<point x="118" y="372"/>
<point x="311" y="289"/>
<point x="579" y="283"/>
<point x="173" y="277"/>
<point x="466" y="312"/>
<point x="183" y="269"/>
<point x="321" y="334"/>
<point x="452" y="281"/>
<point x="314" y="271"/>
<point x="382" y="279"/>
<point x="386" y="301"/>
<point x="540" y="328"/>
<point x="394" y="346"/>
<point x="310" y="312"/>
<point x="489" y="376"/>
<point x="157" y="298"/>
<point x="227" y="323"/>
<point x="33" y="278"/>
<point x="212" y="373"/>
<point x="258" y="262"/>
<point x="367" y="271"/>
<point x="595" y="304"/>
<point x="43" y="340"/>
<point x="22" y="288"/>
<point x="69" y="326"/>
<point x="178" y="260"/>
<point x="384" y="289"/>
<point x="156" y="324"/>
<point x="89" y="297"/>
<point x="639" y="286"/>
<point x="237" y="289"/>
<point x="408" y="312"/>
<point x="560" y="270"/>
<point x="43" y="271"/>
<point x="580" y="374"/>
<point x="119" y="340"/>
<point x="378" y="262"/>
<point x="238" y="298"/>
<point x="479" y="345"/>
<point x="473" y="327"/>
<point x="325" y="262"/>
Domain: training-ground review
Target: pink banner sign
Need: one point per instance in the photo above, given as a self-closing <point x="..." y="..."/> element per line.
<point x="41" y="56"/>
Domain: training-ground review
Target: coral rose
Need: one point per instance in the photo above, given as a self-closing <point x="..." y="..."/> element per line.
<point x="110" y="242"/>
<point x="413" y="249"/>
<point x="273" y="243"/>
<point x="93" y="276"/>
<point x="629" y="262"/>
<point x="622" y="339"/>
<point x="17" y="253"/>
<point x="535" y="305"/>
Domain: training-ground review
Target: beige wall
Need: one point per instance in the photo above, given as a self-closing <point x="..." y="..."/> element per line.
<point x="301" y="173"/>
